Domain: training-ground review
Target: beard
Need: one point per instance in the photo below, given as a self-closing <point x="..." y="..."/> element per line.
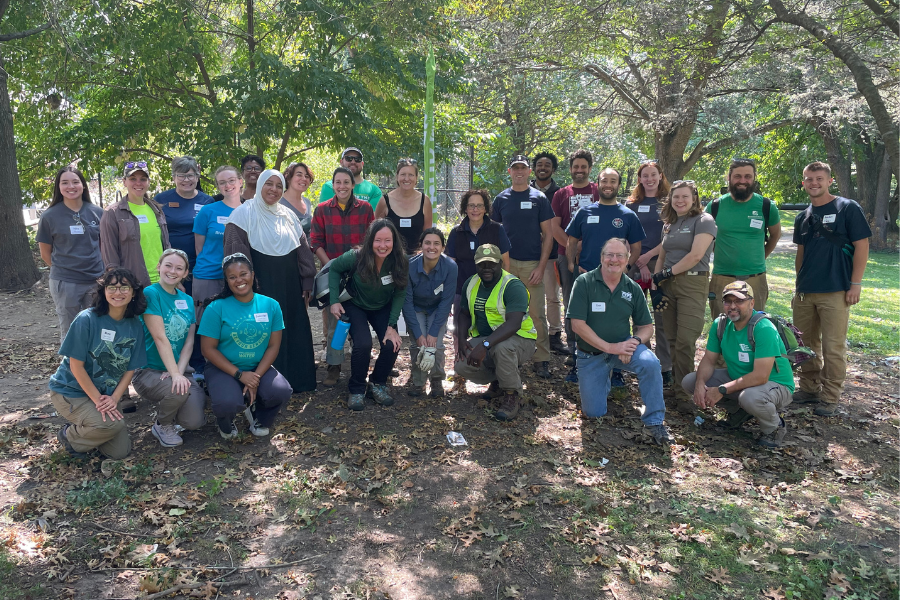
<point x="740" y="193"/>
<point x="612" y="196"/>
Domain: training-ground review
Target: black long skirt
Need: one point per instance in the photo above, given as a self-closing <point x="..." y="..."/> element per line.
<point x="279" y="278"/>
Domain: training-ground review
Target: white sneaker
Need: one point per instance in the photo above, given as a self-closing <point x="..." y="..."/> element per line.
<point x="166" y="435"/>
<point x="229" y="435"/>
<point x="255" y="428"/>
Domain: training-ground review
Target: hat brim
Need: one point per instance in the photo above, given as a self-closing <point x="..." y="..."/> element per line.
<point x="482" y="259"/>
<point x="740" y="295"/>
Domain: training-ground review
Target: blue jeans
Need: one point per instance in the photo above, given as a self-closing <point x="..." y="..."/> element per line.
<point x="593" y="382"/>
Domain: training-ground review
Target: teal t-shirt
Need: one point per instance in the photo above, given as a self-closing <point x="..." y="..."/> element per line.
<point x="242" y="328"/>
<point x="515" y="298"/>
<point x="735" y="349"/>
<point x="364" y="190"/>
<point x="740" y="236"/>
<point x="108" y="349"/>
<point x="177" y="313"/>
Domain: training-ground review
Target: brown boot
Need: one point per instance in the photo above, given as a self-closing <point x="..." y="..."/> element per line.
<point x="332" y="375"/>
<point x="492" y="392"/>
<point x="509" y="406"/>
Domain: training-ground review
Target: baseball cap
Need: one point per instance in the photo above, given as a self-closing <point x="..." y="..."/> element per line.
<point x="131" y="167"/>
<point x="741" y="289"/>
<point x="519" y="159"/>
<point x="487" y="252"/>
<point x="351" y="149"/>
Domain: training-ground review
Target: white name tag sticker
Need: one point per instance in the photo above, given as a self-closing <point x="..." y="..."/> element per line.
<point x="107" y="335"/>
<point x="181" y="304"/>
<point x="471" y="245"/>
<point x="744" y="357"/>
<point x="261" y="317"/>
<point x="598" y="306"/>
<point x="438" y="289"/>
<point x="143" y="219"/>
<point x="594" y="219"/>
<point x="828" y="218"/>
<point x="405" y="222"/>
<point x="197" y="207"/>
<point x="221" y="220"/>
<point x="644" y="208"/>
<point x="387" y="280"/>
<point x="76" y="229"/>
<point x="756" y="223"/>
<point x="525" y="204"/>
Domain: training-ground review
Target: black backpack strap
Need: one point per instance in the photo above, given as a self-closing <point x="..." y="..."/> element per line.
<point x="714" y="208"/>
<point x="721" y="323"/>
<point x="767" y="209"/>
<point x="755" y="318"/>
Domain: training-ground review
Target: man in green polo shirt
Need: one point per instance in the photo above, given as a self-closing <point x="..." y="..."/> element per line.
<point x="352" y="158"/>
<point x="758" y="381"/>
<point x="602" y="308"/>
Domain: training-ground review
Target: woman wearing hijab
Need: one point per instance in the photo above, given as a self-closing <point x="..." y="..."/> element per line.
<point x="271" y="235"/>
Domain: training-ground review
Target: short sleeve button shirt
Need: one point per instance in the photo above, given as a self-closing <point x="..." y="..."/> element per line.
<point x="609" y="313"/>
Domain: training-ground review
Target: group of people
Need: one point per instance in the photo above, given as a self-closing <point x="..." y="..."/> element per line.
<point x="163" y="292"/>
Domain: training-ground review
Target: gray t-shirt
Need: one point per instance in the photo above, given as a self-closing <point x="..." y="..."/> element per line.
<point x="679" y="237"/>
<point x="75" y="240"/>
<point x="305" y="220"/>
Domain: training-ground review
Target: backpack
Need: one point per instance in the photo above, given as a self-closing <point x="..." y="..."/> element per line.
<point x="321" y="292"/>
<point x="797" y="353"/>
<point x="767" y="208"/>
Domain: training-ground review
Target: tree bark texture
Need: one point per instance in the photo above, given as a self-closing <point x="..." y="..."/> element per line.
<point x="839" y="160"/>
<point x="881" y="217"/>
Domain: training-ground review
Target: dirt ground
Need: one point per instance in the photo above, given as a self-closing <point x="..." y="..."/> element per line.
<point x="377" y="504"/>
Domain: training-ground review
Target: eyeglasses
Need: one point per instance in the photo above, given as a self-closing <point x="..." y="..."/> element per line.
<point x="351" y="159"/>
<point x="136" y="165"/>
<point x="231" y="181"/>
<point x="112" y="289"/>
<point x="250" y="169"/>
<point x="475" y="206"/>
<point x="618" y="256"/>
<point x="186" y="176"/>
<point x="733" y="301"/>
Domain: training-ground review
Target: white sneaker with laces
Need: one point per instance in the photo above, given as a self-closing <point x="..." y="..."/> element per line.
<point x="255" y="428"/>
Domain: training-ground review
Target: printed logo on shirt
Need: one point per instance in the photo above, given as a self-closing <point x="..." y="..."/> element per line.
<point x="745" y="347"/>
<point x="176" y="325"/>
<point x="248" y="334"/>
<point x="626" y="295"/>
<point x="618" y="223"/>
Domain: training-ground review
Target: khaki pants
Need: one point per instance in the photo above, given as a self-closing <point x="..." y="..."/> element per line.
<point x="718" y="282"/>
<point x="551" y="294"/>
<point x="823" y="319"/>
<point x="522" y="269"/>
<point x="184" y="409"/>
<point x="89" y="430"/>
<point x="662" y="346"/>
<point x="566" y="279"/>
<point x="502" y="364"/>
<point x="764" y="402"/>
<point x="70" y="299"/>
<point x="684" y="320"/>
<point x="418" y="377"/>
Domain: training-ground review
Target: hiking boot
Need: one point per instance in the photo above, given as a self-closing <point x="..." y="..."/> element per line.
<point x="64" y="442"/>
<point x="127" y="405"/>
<point x="669" y="393"/>
<point x="356" y="401"/>
<point x="827" y="409"/>
<point x="379" y="393"/>
<point x="255" y="428"/>
<point x="493" y="391"/>
<point x="617" y="380"/>
<point x="509" y="406"/>
<point x="659" y="434"/>
<point x="556" y="344"/>
<point x="737" y="418"/>
<point x="804" y="397"/>
<point x="231" y="432"/>
<point x="437" y="388"/>
<point x="572" y="377"/>
<point x="414" y="391"/>
<point x="774" y="439"/>
<point x="541" y="369"/>
<point x="167" y="435"/>
<point x="667" y="378"/>
<point x="332" y="375"/>
<point x="685" y="407"/>
<point x="570" y="360"/>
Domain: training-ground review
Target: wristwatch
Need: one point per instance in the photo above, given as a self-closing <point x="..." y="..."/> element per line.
<point x="237" y="374"/>
<point x="722" y="390"/>
<point x="486" y="343"/>
<point x="639" y="340"/>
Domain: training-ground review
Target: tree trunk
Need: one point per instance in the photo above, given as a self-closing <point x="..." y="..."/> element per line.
<point x="17" y="268"/>
<point x="868" y="159"/>
<point x="839" y="161"/>
<point x="881" y="217"/>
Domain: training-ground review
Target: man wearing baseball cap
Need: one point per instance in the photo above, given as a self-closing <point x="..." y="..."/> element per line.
<point x="758" y="381"/>
<point x="527" y="218"/>
<point x="352" y="158"/>
<point x="494" y="312"/>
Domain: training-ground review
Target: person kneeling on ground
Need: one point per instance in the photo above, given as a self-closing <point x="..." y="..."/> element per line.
<point x="494" y="310"/>
<point x="169" y="339"/>
<point x="240" y="335"/>
<point x="603" y="305"/>
<point x="103" y="347"/>
<point x="758" y="381"/>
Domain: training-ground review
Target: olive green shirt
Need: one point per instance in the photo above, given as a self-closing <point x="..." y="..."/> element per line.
<point x="368" y="295"/>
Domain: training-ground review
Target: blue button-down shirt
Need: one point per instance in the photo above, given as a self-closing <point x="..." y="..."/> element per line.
<point x="429" y="293"/>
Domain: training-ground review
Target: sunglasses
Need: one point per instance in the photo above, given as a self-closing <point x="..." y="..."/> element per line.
<point x="690" y="182"/>
<point x="136" y="165"/>
<point x="350" y="159"/>
<point x="233" y="257"/>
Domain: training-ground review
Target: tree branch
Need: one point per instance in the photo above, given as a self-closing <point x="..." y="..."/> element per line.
<point x="212" y="93"/>
<point x="739" y="137"/>
<point x="148" y="151"/>
<point x="886" y="20"/>
<point x="617" y="85"/>
<point x="17" y="35"/>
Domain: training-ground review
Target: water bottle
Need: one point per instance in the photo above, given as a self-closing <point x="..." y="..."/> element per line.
<point x="340" y="332"/>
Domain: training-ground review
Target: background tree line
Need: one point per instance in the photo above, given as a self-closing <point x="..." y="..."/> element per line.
<point x="691" y="84"/>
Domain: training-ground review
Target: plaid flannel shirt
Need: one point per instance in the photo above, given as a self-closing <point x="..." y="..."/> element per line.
<point x="335" y="230"/>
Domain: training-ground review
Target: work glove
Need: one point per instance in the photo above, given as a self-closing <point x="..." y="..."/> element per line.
<point x="426" y="358"/>
<point x="662" y="276"/>
<point x="659" y="299"/>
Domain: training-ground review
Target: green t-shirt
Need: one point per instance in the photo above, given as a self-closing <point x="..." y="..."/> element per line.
<point x="364" y="190"/>
<point x="243" y="329"/>
<point x="515" y="298"/>
<point x="740" y="248"/>
<point x="608" y="313"/>
<point x="151" y="238"/>
<point x="177" y="313"/>
<point x="368" y="295"/>
<point x="735" y="349"/>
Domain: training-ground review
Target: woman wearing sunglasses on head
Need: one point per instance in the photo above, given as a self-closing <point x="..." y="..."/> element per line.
<point x="407" y="208"/>
<point x="102" y="349"/>
<point x="68" y="236"/>
<point x="133" y="231"/>
<point x="298" y="177"/>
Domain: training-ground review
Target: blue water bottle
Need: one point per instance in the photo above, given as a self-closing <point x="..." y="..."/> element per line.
<point x="340" y="333"/>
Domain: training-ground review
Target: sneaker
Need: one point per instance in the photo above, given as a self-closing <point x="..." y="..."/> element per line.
<point x="572" y="377"/>
<point x="659" y="434"/>
<point x="509" y="406"/>
<point x="804" y="397"/>
<point x="556" y="344"/>
<point x="332" y="375"/>
<point x="255" y="428"/>
<point x="774" y="439"/>
<point x="667" y="378"/>
<point x="570" y="360"/>
<point x="541" y="369"/>
<point x="379" y="393"/>
<point x="228" y="435"/>
<point x="167" y="435"/>
<point x="827" y="409"/>
<point x="437" y="388"/>
<point x="493" y="391"/>
<point x="64" y="442"/>
<point x="356" y="401"/>
<point x="617" y="380"/>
